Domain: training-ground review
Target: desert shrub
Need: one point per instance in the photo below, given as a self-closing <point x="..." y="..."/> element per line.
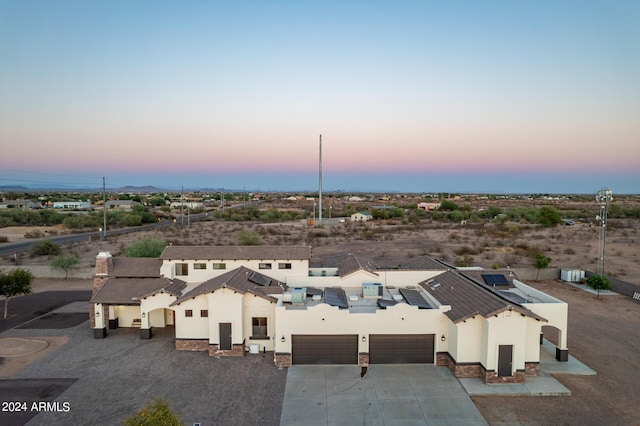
<point x="247" y="237"/>
<point x="34" y="233"/>
<point x="463" y="261"/>
<point x="145" y="247"/>
<point x="465" y="250"/>
<point x="549" y="217"/>
<point x="154" y="413"/>
<point x="3" y="238"/>
<point x="44" y="248"/>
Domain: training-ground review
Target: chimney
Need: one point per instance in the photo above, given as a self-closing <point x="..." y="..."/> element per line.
<point x="104" y="263"/>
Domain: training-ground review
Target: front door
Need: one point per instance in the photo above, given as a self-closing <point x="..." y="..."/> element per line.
<point x="505" y="359"/>
<point x="225" y="336"/>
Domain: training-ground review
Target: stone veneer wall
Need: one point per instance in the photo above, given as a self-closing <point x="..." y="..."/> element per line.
<point x="192" y="345"/>
<point x="532" y="368"/>
<point x="491" y="377"/>
<point x="282" y="360"/>
<point x="236" y="350"/>
<point x="459" y="370"/>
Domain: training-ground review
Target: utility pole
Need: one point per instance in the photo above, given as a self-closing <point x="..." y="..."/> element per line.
<point x="104" y="209"/>
<point x="603" y="198"/>
<point x="320" y="186"/>
<point x="182" y="205"/>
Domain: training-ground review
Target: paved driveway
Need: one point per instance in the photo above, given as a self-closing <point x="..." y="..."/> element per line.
<point x="405" y="394"/>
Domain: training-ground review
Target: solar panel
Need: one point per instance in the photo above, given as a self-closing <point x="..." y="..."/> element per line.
<point x="384" y="303"/>
<point x="259" y="279"/>
<point x="495" y="279"/>
<point x="512" y="296"/>
<point x="336" y="297"/>
<point x="313" y="292"/>
<point x="414" y="298"/>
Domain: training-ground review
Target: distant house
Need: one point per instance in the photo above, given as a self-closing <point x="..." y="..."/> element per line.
<point x="187" y="204"/>
<point x="121" y="205"/>
<point x="429" y="206"/>
<point x="18" y="204"/>
<point x="72" y="205"/>
<point x="361" y="216"/>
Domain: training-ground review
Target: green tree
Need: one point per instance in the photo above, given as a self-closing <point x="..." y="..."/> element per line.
<point x="449" y="205"/>
<point x="15" y="283"/>
<point x="247" y="237"/>
<point x="599" y="283"/>
<point x="540" y="261"/>
<point x="549" y="217"/>
<point x="145" y="247"/>
<point x="64" y="263"/>
<point x="43" y="248"/>
<point x="156" y="413"/>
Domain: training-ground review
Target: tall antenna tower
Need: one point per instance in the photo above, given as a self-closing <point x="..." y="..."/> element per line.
<point x="603" y="198"/>
<point x="320" y="187"/>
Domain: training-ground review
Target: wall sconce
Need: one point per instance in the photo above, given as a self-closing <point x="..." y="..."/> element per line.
<point x="364" y="338"/>
<point x="97" y="313"/>
<point x="282" y="339"/>
<point x="144" y="315"/>
<point x="443" y="338"/>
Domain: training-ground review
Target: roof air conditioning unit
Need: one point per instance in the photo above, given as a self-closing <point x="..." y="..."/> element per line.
<point x="298" y="295"/>
<point x="371" y="290"/>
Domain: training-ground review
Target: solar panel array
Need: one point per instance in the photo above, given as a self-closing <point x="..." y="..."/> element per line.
<point x="512" y="296"/>
<point x="384" y="303"/>
<point x="336" y="297"/>
<point x="414" y="298"/>
<point x="495" y="279"/>
<point x="313" y="292"/>
<point x="259" y="279"/>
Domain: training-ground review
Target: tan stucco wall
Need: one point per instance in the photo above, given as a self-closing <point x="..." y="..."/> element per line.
<point x="195" y="327"/>
<point x="254" y="306"/>
<point x="154" y="307"/>
<point x="298" y="268"/>
<point x="468" y="344"/>
<point x="226" y="306"/>
<point x="508" y="328"/>
<point x="126" y="315"/>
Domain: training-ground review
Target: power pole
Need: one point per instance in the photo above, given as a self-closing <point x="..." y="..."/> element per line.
<point x="104" y="209"/>
<point x="182" y="205"/>
<point x="320" y="186"/>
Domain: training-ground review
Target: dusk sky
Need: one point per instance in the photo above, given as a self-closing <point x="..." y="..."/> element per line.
<point x="416" y="96"/>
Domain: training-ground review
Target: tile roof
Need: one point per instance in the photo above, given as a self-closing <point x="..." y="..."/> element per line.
<point x="236" y="252"/>
<point x="477" y="275"/>
<point x="240" y="280"/>
<point x="468" y="298"/>
<point x="350" y="264"/>
<point x="129" y="291"/>
<point x="127" y="267"/>
<point x="425" y="263"/>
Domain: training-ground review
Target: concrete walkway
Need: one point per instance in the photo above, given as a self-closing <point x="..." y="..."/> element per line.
<point x="542" y="385"/>
<point x="401" y="394"/>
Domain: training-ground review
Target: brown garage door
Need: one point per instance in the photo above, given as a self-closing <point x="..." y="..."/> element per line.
<point x="401" y="348"/>
<point x="324" y="349"/>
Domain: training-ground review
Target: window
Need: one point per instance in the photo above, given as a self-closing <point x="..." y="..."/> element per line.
<point x="264" y="266"/>
<point x="284" y="266"/>
<point x="188" y="313"/>
<point x="182" y="269"/>
<point x="199" y="266"/>
<point x="204" y="313"/>
<point x="219" y="266"/>
<point x="259" y="328"/>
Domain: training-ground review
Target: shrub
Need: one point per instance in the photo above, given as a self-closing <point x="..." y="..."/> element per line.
<point x="153" y="414"/>
<point x="146" y="247"/>
<point x="463" y="261"/>
<point x="44" y="248"/>
<point x="247" y="237"/>
<point x="598" y="283"/>
<point x="64" y="263"/>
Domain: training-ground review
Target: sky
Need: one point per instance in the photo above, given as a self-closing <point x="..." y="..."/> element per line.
<point x="413" y="96"/>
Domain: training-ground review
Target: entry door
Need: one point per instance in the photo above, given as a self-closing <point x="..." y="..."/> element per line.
<point x="505" y="360"/>
<point x="225" y="336"/>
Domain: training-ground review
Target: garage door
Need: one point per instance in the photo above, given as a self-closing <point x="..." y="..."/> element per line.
<point x="401" y="348"/>
<point x="324" y="349"/>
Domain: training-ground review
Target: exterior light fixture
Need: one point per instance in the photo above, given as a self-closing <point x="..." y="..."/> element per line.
<point x="144" y="315"/>
<point x="443" y="338"/>
<point x="282" y="339"/>
<point x="364" y="338"/>
<point x="97" y="313"/>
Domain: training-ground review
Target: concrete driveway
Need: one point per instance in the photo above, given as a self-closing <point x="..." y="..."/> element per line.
<point x="401" y="394"/>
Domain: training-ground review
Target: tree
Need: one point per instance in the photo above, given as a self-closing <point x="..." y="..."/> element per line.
<point x="549" y="217"/>
<point x="153" y="414"/>
<point x="44" y="248"/>
<point x="599" y="283"/>
<point x="540" y="261"/>
<point x="146" y="247"/>
<point x="248" y="238"/>
<point x="64" y="263"/>
<point x="448" y="205"/>
<point x="15" y="283"/>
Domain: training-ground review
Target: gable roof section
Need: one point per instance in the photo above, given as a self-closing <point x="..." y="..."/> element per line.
<point x="129" y="291"/>
<point x="126" y="267"/>
<point x="424" y="263"/>
<point x="236" y="253"/>
<point x="468" y="298"/>
<point x="350" y="264"/>
<point x="242" y="280"/>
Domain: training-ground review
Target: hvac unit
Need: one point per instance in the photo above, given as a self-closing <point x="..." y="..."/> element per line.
<point x="298" y="295"/>
<point x="572" y="275"/>
<point x="371" y="290"/>
<point x="286" y="296"/>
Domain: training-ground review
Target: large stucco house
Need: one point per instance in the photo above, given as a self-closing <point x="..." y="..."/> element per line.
<point x="346" y="310"/>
